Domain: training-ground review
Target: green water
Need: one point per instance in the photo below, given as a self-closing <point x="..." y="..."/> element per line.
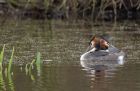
<point x="61" y="43"/>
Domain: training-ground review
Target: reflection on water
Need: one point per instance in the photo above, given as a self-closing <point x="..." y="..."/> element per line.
<point x="2" y="83"/>
<point x="6" y="82"/>
<point x="10" y="83"/>
<point x="63" y="43"/>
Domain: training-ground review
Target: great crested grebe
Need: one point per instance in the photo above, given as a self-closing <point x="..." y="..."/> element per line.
<point x="101" y="53"/>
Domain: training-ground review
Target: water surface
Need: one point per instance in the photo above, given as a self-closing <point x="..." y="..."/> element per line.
<point x="61" y="43"/>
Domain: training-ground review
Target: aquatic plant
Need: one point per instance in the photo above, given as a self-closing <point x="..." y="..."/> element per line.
<point x="10" y="61"/>
<point x="1" y="58"/>
<point x="6" y="71"/>
<point x="31" y="66"/>
<point x="30" y="70"/>
<point x="2" y="85"/>
<point x="38" y="63"/>
<point x="26" y="69"/>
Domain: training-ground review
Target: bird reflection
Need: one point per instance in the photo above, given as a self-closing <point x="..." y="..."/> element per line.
<point x="99" y="78"/>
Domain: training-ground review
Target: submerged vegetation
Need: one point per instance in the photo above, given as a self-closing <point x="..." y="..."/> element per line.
<point x="67" y="9"/>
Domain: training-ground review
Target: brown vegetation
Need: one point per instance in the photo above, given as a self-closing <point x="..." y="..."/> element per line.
<point x="69" y="9"/>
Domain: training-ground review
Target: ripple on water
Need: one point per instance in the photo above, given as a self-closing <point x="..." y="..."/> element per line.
<point x="64" y="46"/>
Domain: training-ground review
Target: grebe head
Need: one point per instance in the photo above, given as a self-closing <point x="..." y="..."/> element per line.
<point x="98" y="43"/>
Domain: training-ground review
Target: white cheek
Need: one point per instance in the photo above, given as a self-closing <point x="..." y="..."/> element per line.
<point x="92" y="43"/>
<point x="106" y="44"/>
